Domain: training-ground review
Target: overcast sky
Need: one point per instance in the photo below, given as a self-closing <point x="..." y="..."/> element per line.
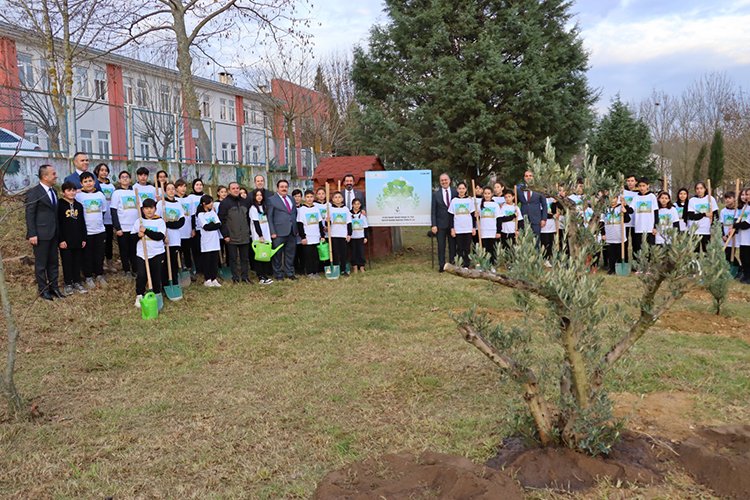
<point x="635" y="45"/>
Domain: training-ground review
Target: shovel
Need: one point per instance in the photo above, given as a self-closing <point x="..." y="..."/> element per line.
<point x="183" y="276"/>
<point x="332" y="272"/>
<point x="149" y="301"/>
<point x="622" y="268"/>
<point x="225" y="272"/>
<point x="172" y="291"/>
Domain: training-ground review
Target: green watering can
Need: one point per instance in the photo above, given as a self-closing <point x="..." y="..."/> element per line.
<point x="264" y="251"/>
<point x="149" y="306"/>
<point x="323" y="252"/>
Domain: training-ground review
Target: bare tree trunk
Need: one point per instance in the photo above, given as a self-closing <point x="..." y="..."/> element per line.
<point x="8" y="386"/>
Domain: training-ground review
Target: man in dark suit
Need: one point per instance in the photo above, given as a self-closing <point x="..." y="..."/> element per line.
<point x="441" y="222"/>
<point x="533" y="204"/>
<point x="81" y="164"/>
<point x="350" y="193"/>
<point x="282" y="222"/>
<point x="41" y="231"/>
<point x="260" y="183"/>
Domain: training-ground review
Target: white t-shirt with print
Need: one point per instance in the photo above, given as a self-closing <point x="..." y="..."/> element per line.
<point x="359" y="224"/>
<point x="123" y="200"/>
<point x="310" y="217"/>
<point x="147" y="191"/>
<point x="93" y="211"/>
<point x="186" y="231"/>
<point x="210" y="240"/>
<point x="107" y="190"/>
<point x="171" y="211"/>
<point x="629" y="197"/>
<point x="701" y="205"/>
<point x="644" y="207"/>
<point x="462" y="210"/>
<point x="667" y="218"/>
<point x="612" y="218"/>
<point x="255" y="215"/>
<point x="340" y="217"/>
<point x="488" y="218"/>
<point x="153" y="247"/>
<point x="506" y="211"/>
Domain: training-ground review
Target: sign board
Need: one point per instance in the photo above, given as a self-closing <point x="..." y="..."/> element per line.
<point x="399" y="197"/>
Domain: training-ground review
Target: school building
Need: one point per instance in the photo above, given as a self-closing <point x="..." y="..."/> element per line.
<point x="128" y="114"/>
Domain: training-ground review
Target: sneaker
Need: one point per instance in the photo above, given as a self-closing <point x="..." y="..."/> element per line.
<point x="101" y="280"/>
<point x="68" y="289"/>
<point x="547" y="264"/>
<point x="90" y="283"/>
<point x="79" y="288"/>
<point x="215" y="284"/>
<point x="265" y="281"/>
<point x="138" y="301"/>
<point x="208" y="283"/>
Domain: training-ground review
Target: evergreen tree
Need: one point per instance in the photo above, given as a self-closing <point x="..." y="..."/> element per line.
<point x="698" y="167"/>
<point x="470" y="87"/>
<point x="716" y="159"/>
<point x="622" y="143"/>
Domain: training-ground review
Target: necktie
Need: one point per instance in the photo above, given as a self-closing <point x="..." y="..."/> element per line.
<point x="348" y="199"/>
<point x="53" y="197"/>
<point x="447" y="200"/>
<point x="286" y="202"/>
<point x="528" y="196"/>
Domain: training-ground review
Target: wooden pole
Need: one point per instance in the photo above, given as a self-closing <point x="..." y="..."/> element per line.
<point x="622" y="226"/>
<point x="328" y="224"/>
<point x="166" y="233"/>
<point x="476" y="212"/>
<point x="515" y="193"/>
<point x="143" y="240"/>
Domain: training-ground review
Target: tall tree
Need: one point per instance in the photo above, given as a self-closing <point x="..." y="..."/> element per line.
<point x="472" y="86"/>
<point x="698" y="166"/>
<point x="716" y="158"/>
<point x="622" y="142"/>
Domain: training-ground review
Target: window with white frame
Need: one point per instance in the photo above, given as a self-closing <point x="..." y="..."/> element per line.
<point x="245" y="114"/>
<point x="222" y="109"/>
<point x="86" y="140"/>
<point x="257" y="116"/>
<point x="205" y="107"/>
<point x="224" y="152"/>
<point x="31" y="132"/>
<point x="103" y="143"/>
<point x="100" y="85"/>
<point x="141" y="93"/>
<point x="145" y="150"/>
<point x="164" y="97"/>
<point x="231" y="113"/>
<point x="82" y="82"/>
<point x="127" y="87"/>
<point x="233" y="152"/>
<point x="25" y="70"/>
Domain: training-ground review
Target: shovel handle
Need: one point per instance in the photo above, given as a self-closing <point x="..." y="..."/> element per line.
<point x="143" y="241"/>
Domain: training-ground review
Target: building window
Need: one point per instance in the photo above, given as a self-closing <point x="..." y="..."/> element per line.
<point x="255" y="154"/>
<point x="145" y="152"/>
<point x="222" y="109"/>
<point x="25" y="70"/>
<point x="100" y="85"/>
<point x="87" y="144"/>
<point x="205" y="107"/>
<point x="164" y="97"/>
<point x="141" y="93"/>
<point x="245" y="114"/>
<point x="233" y="152"/>
<point x="224" y="152"/>
<point x="103" y="143"/>
<point x="31" y="132"/>
<point x="82" y="82"/>
<point x="127" y="85"/>
<point x="231" y="113"/>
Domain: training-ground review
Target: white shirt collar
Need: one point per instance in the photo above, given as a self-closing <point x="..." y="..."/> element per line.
<point x="79" y="172"/>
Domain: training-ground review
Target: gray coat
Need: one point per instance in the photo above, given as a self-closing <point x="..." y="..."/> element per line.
<point x="281" y="221"/>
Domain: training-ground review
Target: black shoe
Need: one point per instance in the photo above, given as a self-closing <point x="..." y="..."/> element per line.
<point x="57" y="293"/>
<point x="46" y="295"/>
<point x="292" y="277"/>
<point x="235" y="280"/>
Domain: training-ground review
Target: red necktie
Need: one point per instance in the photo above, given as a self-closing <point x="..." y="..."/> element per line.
<point x="528" y="196"/>
<point x="447" y="201"/>
<point x="286" y="202"/>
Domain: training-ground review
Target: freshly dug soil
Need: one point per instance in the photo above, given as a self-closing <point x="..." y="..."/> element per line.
<point x="429" y="475"/>
<point x="634" y="459"/>
<point x="719" y="457"/>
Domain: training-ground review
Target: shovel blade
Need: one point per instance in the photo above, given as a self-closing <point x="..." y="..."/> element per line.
<point x="173" y="292"/>
<point x="332" y="272"/>
<point x="225" y="273"/>
<point x="184" y="279"/>
<point x="622" y="268"/>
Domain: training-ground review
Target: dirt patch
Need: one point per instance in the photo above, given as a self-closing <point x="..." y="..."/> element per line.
<point x="719" y="457"/>
<point x="429" y="475"/>
<point x="704" y="322"/>
<point x="634" y="459"/>
<point x="664" y="414"/>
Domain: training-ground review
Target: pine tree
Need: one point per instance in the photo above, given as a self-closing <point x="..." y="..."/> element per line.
<point x="698" y="166"/>
<point x="622" y="143"/>
<point x="470" y="87"/>
<point x="716" y="159"/>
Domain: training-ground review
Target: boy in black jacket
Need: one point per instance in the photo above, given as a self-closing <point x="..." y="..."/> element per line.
<point x="72" y="234"/>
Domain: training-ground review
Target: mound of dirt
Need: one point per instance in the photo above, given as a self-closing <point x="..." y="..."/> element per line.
<point x="702" y="322"/>
<point x="634" y="459"/>
<point x="719" y="457"/>
<point x="430" y="475"/>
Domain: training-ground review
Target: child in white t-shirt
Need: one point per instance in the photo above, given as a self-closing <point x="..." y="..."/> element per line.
<point x="207" y="222"/>
<point x="463" y="224"/>
<point x="612" y="231"/>
<point x="261" y="232"/>
<point x="646" y="209"/>
<point x="151" y="230"/>
<point x="341" y="230"/>
<point x="702" y="211"/>
<point x="359" y="236"/>
<point x="668" y="218"/>
<point x="310" y="226"/>
<point x="93" y="214"/>
<point x="510" y="220"/>
<point x="489" y="228"/>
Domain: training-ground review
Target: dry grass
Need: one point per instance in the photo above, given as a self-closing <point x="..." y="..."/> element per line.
<point x="258" y="392"/>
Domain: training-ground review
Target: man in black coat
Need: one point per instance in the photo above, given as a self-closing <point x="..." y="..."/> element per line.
<point x="41" y="231"/>
<point x="533" y="205"/>
<point x="441" y="221"/>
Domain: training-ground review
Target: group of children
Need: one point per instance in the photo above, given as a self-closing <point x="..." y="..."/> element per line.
<point x="185" y="228"/>
<point x="492" y="215"/>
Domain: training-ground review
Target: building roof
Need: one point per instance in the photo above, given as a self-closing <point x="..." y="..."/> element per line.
<point x="335" y="168"/>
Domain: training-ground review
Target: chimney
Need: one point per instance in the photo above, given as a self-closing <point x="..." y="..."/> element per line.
<point x="226" y="78"/>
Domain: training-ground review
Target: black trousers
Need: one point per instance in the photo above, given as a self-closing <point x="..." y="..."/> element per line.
<point x="629" y="232"/>
<point x="127" y="245"/>
<point x="614" y="256"/>
<point x="299" y="259"/>
<point x="339" y="252"/>
<point x="93" y="255"/>
<point x="173" y="251"/>
<point x="508" y="240"/>
<point x="444" y="236"/>
<point x="239" y="260"/>
<point x="357" y="247"/>
<point x="72" y="261"/>
<point x="46" y="265"/>
<point x="262" y="269"/>
<point x="463" y="248"/>
<point x="155" y="264"/>
<point x="211" y="265"/>
<point x="187" y="253"/>
<point x="745" y="258"/>
<point x="638" y="242"/>
<point x="109" y="233"/>
<point x="489" y="245"/>
<point x="703" y="243"/>
<point x="548" y="239"/>
<point x="312" y="262"/>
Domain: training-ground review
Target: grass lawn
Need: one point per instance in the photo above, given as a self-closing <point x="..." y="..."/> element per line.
<point x="257" y="392"/>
